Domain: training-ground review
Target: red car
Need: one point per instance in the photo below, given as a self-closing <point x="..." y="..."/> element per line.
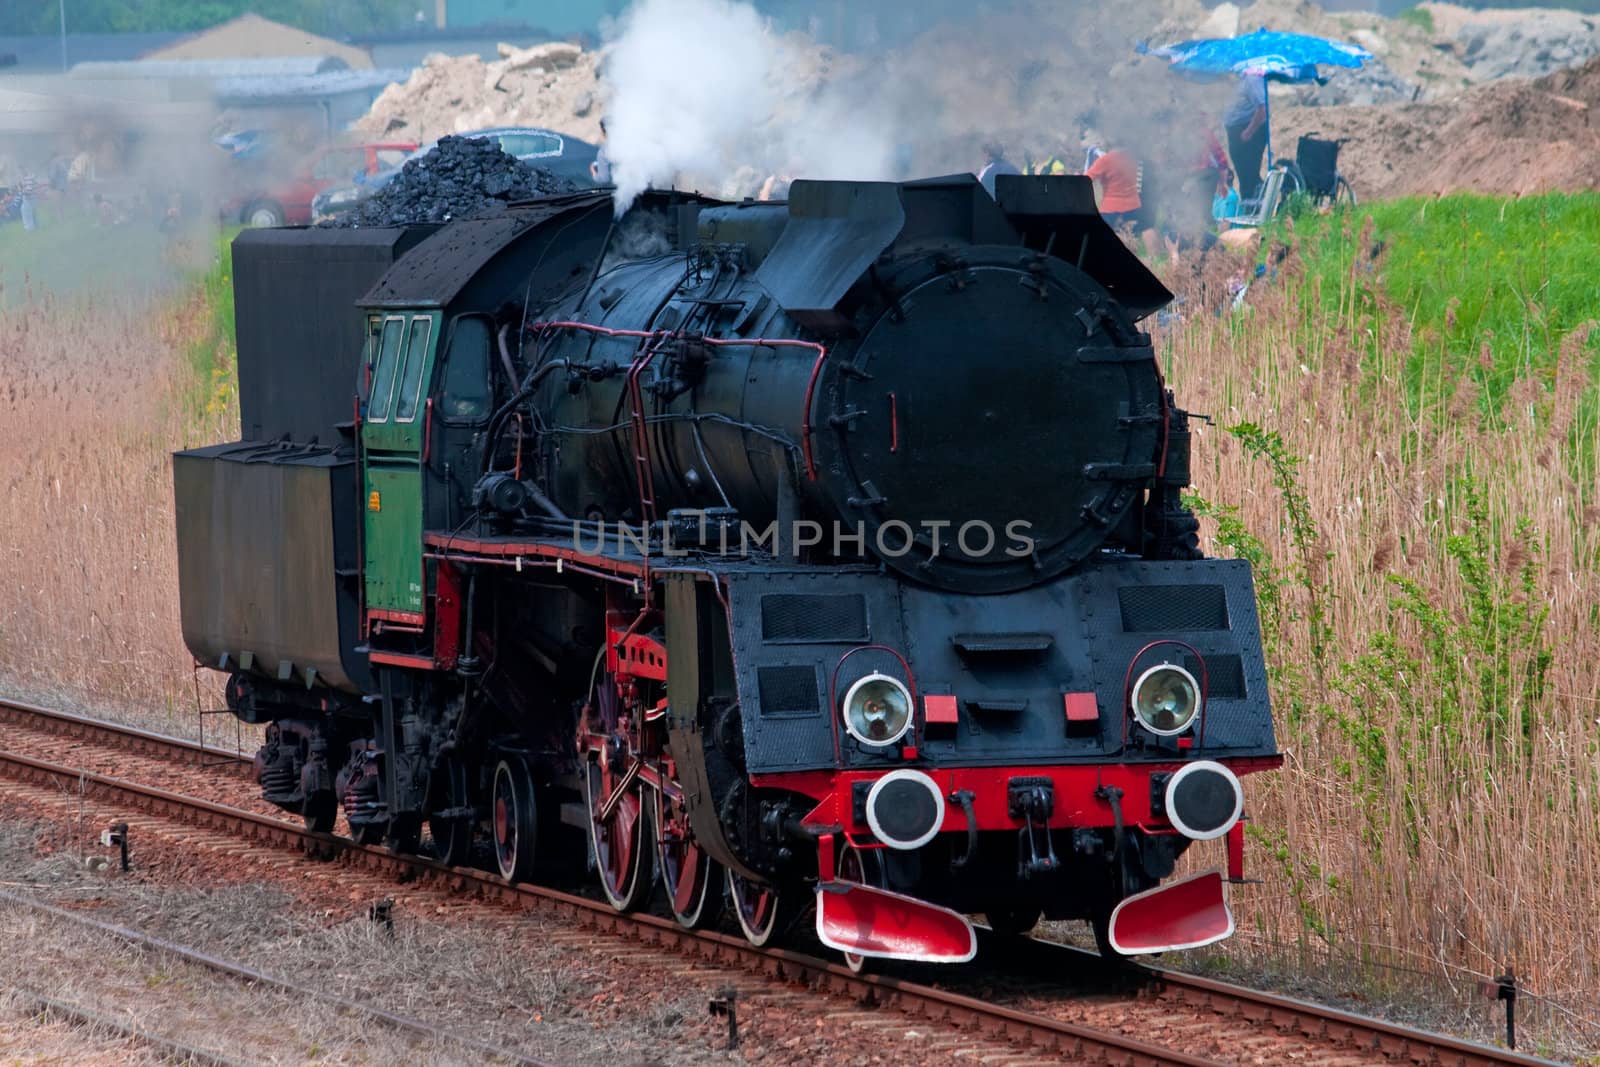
<point x="288" y="201"/>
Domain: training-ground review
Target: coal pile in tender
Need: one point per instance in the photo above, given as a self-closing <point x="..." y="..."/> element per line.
<point x="461" y="177"/>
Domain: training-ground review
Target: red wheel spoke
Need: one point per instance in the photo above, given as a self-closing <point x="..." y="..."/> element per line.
<point x="688" y="874"/>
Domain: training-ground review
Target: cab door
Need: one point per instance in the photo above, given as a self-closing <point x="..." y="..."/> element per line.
<point x="395" y="437"/>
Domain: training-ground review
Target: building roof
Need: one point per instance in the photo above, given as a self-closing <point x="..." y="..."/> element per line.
<point x="327" y="83"/>
<point x="252" y="37"/>
<point x="41" y="53"/>
<point x="275" y="67"/>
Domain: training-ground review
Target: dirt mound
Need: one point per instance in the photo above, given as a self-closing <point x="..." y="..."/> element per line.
<point x="460" y="178"/>
<point x="1513" y="136"/>
<point x="551" y="85"/>
<point x="1581" y="83"/>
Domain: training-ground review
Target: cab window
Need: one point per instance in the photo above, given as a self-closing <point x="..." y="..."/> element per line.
<point x="408" y="392"/>
<point x="466" y="371"/>
<point x="383" y="377"/>
<point x="523" y="145"/>
<point x="369" y="353"/>
<point x="343" y="164"/>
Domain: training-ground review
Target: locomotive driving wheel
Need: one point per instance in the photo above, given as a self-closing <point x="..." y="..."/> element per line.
<point x="450" y="822"/>
<point x="515" y="822"/>
<point x="687" y="872"/>
<point x="618" y="825"/>
<point x="764" y="912"/>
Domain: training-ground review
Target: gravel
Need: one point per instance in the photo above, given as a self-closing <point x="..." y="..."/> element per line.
<point x="460" y="178"/>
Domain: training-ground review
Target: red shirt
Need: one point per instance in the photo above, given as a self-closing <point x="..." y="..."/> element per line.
<point x="1118" y="176"/>
<point x="1212" y="156"/>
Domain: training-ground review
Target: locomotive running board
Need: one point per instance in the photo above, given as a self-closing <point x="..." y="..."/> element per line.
<point x="1187" y="913"/>
<point x="865" y="921"/>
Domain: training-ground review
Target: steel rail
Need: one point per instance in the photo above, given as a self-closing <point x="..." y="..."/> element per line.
<point x="132" y="738"/>
<point x="259" y="978"/>
<point x="1398" y="1043"/>
<point x="1284" y="1014"/>
<point x="77" y="1013"/>
<point x="1316" y="1022"/>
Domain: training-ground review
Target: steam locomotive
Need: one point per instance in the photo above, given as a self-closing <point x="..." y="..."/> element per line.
<point x="823" y="557"/>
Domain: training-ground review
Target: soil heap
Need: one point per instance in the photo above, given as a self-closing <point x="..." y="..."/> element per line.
<point x="1508" y="137"/>
<point x="460" y="178"/>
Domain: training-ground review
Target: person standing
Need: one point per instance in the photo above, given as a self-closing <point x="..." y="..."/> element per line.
<point x="1052" y="163"/>
<point x="995" y="165"/>
<point x="1193" y="199"/>
<point x="1246" y="124"/>
<point x="1091" y="142"/>
<point x="1120" y="180"/>
<point x="27" y="192"/>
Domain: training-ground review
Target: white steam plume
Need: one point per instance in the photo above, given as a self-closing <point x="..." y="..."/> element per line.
<point x="704" y="90"/>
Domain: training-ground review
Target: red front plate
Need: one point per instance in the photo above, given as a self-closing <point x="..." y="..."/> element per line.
<point x="1187" y="913"/>
<point x="865" y="921"/>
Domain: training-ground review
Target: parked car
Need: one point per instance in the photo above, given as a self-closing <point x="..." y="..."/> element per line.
<point x="288" y="201"/>
<point x="564" y="156"/>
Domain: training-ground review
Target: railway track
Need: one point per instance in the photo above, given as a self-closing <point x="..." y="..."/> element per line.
<point x="249" y="976"/>
<point x="1314" y="1033"/>
<point x="130" y="739"/>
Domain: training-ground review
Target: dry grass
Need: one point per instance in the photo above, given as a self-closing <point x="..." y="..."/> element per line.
<point x="41" y="1038"/>
<point x="1428" y="588"/>
<point x="496" y="978"/>
<point x="95" y="392"/>
<point x="149" y="992"/>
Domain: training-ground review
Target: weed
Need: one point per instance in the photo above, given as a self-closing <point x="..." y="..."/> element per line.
<point x="1420" y="17"/>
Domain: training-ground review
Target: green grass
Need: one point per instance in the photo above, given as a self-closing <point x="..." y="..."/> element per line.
<point x="1419" y="17"/>
<point x="1491" y="288"/>
<point x="71" y="254"/>
<point x="213" y="354"/>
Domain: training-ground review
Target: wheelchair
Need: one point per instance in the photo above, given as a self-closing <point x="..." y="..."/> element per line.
<point x="1314" y="172"/>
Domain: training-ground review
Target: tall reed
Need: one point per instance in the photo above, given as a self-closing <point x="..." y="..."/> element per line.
<point x="1425" y="532"/>
<point x="95" y="393"/>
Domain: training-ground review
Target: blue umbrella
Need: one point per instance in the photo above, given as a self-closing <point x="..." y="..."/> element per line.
<point x="1286" y="57"/>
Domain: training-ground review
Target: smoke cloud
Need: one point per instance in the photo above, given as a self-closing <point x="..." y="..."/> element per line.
<point x="704" y="90"/>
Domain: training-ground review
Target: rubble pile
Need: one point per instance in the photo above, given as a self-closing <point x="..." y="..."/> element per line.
<point x="1372" y="83"/>
<point x="552" y="85"/>
<point x="1505" y="43"/>
<point x="460" y="178"/>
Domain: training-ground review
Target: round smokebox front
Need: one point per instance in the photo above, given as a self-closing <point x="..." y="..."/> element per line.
<point x="905" y="809"/>
<point x="1204" y="800"/>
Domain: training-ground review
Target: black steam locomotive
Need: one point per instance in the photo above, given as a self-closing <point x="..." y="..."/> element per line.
<point x="827" y="552"/>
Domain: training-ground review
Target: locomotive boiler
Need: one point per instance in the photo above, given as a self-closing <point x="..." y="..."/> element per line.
<point x="822" y="556"/>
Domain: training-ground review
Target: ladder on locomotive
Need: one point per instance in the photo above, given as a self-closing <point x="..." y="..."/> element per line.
<point x="640" y="430"/>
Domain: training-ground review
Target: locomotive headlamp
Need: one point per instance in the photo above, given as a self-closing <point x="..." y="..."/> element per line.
<point x="877" y="710"/>
<point x="1166" y="699"/>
